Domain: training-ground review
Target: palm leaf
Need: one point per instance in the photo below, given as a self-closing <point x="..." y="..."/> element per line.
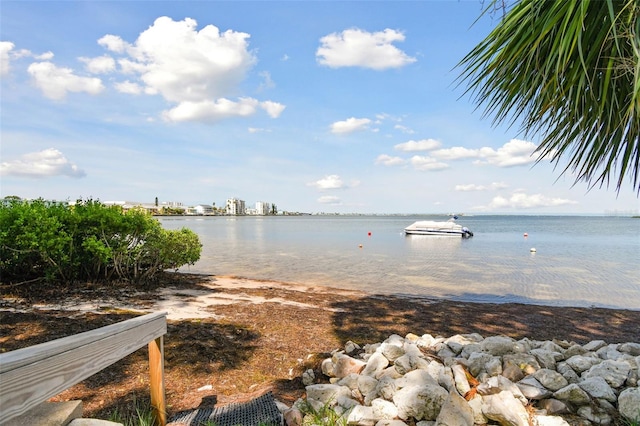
<point x="567" y="71"/>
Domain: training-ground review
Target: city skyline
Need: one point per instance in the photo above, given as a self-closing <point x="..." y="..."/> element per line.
<point x="346" y="107"/>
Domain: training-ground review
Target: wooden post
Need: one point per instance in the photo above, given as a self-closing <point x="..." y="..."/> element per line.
<point x="156" y="380"/>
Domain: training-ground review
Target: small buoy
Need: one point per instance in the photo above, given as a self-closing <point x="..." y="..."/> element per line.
<point x="369" y="233"/>
<point x="532" y="249"/>
<point x="526" y="235"/>
<point x="360" y="245"/>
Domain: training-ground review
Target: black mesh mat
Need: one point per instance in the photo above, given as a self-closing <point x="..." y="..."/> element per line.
<point x="261" y="411"/>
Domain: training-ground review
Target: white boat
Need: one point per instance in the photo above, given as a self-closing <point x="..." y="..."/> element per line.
<point x="431" y="227"/>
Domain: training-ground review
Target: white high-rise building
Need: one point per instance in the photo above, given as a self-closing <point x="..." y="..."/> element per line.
<point x="263" y="208"/>
<point x="236" y="207"/>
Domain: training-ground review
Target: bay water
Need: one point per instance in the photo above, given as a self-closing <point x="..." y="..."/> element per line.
<point x="578" y="261"/>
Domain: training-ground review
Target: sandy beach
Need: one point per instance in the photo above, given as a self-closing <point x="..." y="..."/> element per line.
<point x="230" y="338"/>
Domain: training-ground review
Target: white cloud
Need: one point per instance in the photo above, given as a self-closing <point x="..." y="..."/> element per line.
<point x="99" y="65"/>
<point x="456" y="153"/>
<point x="257" y="130"/>
<point x="473" y="187"/>
<point x="113" y="43"/>
<point x="197" y="70"/>
<point x="5" y="48"/>
<point x="514" y="153"/>
<point x="421" y="145"/>
<point x="56" y="82"/>
<point x="46" y="163"/>
<point x="128" y="87"/>
<point x="358" y="48"/>
<point x="329" y="199"/>
<point x="184" y="64"/>
<point x="211" y="111"/>
<point x="273" y="109"/>
<point x="404" y="129"/>
<point x="328" y="182"/>
<point x="521" y="200"/>
<point x="267" y="82"/>
<point x="46" y="56"/>
<point x="350" y="125"/>
<point x="387" y="160"/>
<point x="424" y="163"/>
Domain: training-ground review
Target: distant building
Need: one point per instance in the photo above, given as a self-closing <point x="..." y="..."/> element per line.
<point x="128" y="205"/>
<point x="263" y="208"/>
<point x="236" y="207"/>
<point x="200" y="210"/>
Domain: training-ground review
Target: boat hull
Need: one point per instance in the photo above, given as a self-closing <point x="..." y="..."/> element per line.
<point x="447" y="229"/>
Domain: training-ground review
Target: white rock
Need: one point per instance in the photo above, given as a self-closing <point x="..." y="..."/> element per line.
<point x="567" y="372"/>
<point x="580" y="363"/>
<point x="390" y="423"/>
<point x="327" y="367"/>
<point x="629" y="404"/>
<point x="375" y="364"/>
<point x="391" y="351"/>
<point x="498" y="345"/>
<point x="343" y="365"/>
<point x="504" y="408"/>
<point x="545" y="358"/>
<point x="405" y="363"/>
<point x="594" y="345"/>
<point x="549" y="421"/>
<point x="455" y="411"/>
<point x="550" y="379"/>
<point x="533" y="389"/>
<point x="462" y="384"/>
<point x="630" y="348"/>
<point x="308" y="377"/>
<point x="386" y="388"/>
<point x="426" y="341"/>
<point x="499" y="384"/>
<point x="598" y="388"/>
<point x="614" y="372"/>
<point x="384" y="410"/>
<point x="572" y="393"/>
<point x="574" y="350"/>
<point x="477" y="362"/>
<point x="420" y="402"/>
<point x="554" y="406"/>
<point x="599" y="417"/>
<point x="367" y="384"/>
<point x="416" y="378"/>
<point x="361" y="415"/>
<point x="351" y="381"/>
<point x="351" y="347"/>
<point x="394" y="339"/>
<point x="327" y="393"/>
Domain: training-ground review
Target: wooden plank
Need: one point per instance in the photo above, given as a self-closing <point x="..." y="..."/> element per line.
<point x="156" y="380"/>
<point x="35" y="353"/>
<point x="55" y="368"/>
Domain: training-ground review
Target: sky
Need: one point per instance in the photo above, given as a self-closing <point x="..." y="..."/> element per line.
<point x="314" y="106"/>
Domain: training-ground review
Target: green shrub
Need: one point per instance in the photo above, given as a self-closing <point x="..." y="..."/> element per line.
<point x="87" y="241"/>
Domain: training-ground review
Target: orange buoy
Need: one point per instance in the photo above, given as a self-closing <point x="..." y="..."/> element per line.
<point x="369" y="233"/>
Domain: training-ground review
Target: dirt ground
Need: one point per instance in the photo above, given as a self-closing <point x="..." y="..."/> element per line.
<point x="230" y="338"/>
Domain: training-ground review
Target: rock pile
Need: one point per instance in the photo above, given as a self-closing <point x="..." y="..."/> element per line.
<point x="467" y="379"/>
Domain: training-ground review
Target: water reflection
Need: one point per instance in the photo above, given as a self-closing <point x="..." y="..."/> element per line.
<point x="433" y="243"/>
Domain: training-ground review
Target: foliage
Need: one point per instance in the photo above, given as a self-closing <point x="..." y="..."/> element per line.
<point x="87" y="241"/>
<point x="570" y="69"/>
<point x="325" y="415"/>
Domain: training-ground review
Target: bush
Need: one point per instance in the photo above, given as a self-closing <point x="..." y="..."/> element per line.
<point x="87" y="241"/>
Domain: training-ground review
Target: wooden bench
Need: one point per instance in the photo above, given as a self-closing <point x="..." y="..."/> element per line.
<point x="30" y="376"/>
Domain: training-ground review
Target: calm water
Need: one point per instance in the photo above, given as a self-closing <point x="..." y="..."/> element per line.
<point x="579" y="261"/>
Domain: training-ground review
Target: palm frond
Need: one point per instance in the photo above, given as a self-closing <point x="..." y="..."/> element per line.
<point x="569" y="71"/>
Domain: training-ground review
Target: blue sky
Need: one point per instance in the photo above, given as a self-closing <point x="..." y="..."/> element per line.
<point x="313" y="106"/>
